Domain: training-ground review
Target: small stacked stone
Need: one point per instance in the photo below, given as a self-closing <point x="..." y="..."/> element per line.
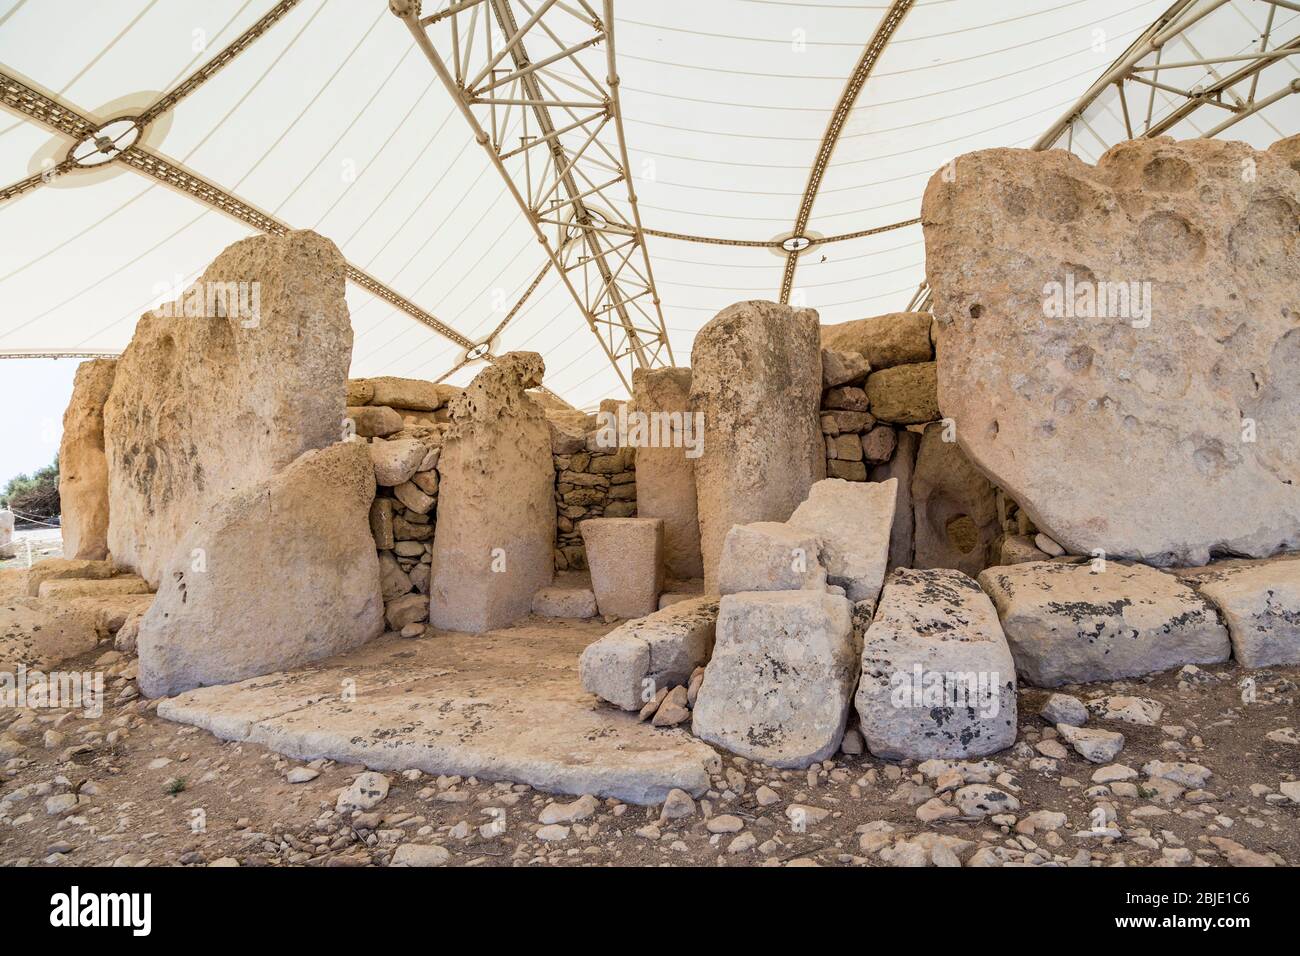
<point x="405" y="436"/>
<point x="591" y="481"/>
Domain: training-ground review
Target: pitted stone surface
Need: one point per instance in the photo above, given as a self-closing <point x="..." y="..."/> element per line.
<point x="1196" y="401"/>
<point x="204" y="406"/>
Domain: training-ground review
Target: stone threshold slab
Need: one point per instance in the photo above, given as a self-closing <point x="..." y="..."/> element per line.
<point x="503" y="705"/>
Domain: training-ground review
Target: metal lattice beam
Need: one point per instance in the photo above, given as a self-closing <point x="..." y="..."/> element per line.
<point x="567" y="170"/>
<point x="798" y="243"/>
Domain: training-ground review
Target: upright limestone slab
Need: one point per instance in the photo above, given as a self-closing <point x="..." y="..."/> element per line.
<point x="83" y="466"/>
<point x="1077" y="623"/>
<point x="625" y="556"/>
<point x="853" y="520"/>
<point x="248" y="372"/>
<point x="937" y="675"/>
<point x="756" y="376"/>
<point x="781" y="678"/>
<point x="271" y="576"/>
<point x="665" y="474"/>
<point x="493" y="544"/>
<point x="1119" y="345"/>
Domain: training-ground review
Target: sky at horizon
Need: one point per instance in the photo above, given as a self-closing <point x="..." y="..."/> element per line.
<point x="36" y="392"/>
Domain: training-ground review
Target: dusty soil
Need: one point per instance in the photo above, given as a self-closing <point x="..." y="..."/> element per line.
<point x="152" y="792"/>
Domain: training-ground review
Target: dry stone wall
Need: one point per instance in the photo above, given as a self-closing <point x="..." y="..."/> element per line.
<point x="591" y="481"/>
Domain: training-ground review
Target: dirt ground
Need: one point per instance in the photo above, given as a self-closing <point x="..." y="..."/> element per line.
<point x="128" y="788"/>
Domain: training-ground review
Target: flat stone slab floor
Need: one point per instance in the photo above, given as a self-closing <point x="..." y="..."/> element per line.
<point x="503" y="705"/>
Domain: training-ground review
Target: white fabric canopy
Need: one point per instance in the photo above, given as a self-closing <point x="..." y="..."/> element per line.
<point x="334" y="120"/>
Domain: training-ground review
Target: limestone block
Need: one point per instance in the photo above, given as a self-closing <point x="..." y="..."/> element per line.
<point x="904" y="394"/>
<point x="205" y="404"/>
<point x="396" y="462"/>
<point x="495" y="535"/>
<point x="938" y="679"/>
<point x="566" y="602"/>
<point x="1261" y="604"/>
<point x="83" y="465"/>
<point x="273" y="576"/>
<point x="756" y="377"/>
<point x="1077" y="623"/>
<point x="853" y="523"/>
<point x="899" y="338"/>
<point x="1145" y="306"/>
<point x="60" y="569"/>
<point x="375" y="421"/>
<point x="665" y="475"/>
<point x="38" y="633"/>
<point x="843" y="368"/>
<point x="781" y="679"/>
<point x="770" y="556"/>
<point x="630" y="664"/>
<point x="625" y="556"/>
<point x="414" y="394"/>
<point x="956" y="508"/>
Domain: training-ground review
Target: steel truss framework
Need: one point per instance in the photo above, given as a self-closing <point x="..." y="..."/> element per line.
<point x="556" y="139"/>
<point x="21" y="98"/>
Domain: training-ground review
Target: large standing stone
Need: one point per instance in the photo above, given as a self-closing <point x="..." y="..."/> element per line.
<point x="665" y="474"/>
<point x="1077" y="623"/>
<point x="272" y="576"/>
<point x="494" y="540"/>
<point x="781" y="679"/>
<point x="1105" y="331"/>
<point x="630" y="664"/>
<point x="899" y="338"/>
<point x="937" y="679"/>
<point x="757" y="379"/>
<point x="83" y="466"/>
<point x="1261" y="603"/>
<point x="901" y="466"/>
<point x="853" y="521"/>
<point x="956" y="508"/>
<point x="625" y="556"/>
<point x="206" y="404"/>
<point x="7" y="548"/>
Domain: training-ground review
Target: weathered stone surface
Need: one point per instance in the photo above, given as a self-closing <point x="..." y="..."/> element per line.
<point x="625" y="556"/>
<point x="408" y="393"/>
<point x="396" y="461"/>
<point x="204" y="406"/>
<point x="878" y="444"/>
<point x="846" y="470"/>
<point x="1019" y="549"/>
<point x="1288" y="150"/>
<point x="359" y="392"/>
<point x="853" y="522"/>
<point x="633" y="662"/>
<point x="937" y="678"/>
<point x="902" y="466"/>
<point x="781" y="679"/>
<point x="492" y="548"/>
<point x="904" y="394"/>
<point x="38" y="633"/>
<point x="564" y="602"/>
<point x="898" y="338"/>
<point x="83" y="466"/>
<point x="665" y="476"/>
<point x="955" y="506"/>
<point x="1261" y="604"/>
<point x="62" y="569"/>
<point x="1167" y="380"/>
<point x="68" y="588"/>
<point x="1071" y="624"/>
<point x="375" y="421"/>
<point x="757" y="379"/>
<point x="843" y="368"/>
<point x="305" y="533"/>
<point x="500" y="706"/>
<point x="770" y="556"/>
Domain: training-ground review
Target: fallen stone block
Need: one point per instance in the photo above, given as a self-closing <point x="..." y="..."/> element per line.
<point x="630" y="664"/>
<point x="1261" y="604"/>
<point x="625" y="556"/>
<point x="305" y="533"/>
<point x="853" y="522"/>
<point x="938" y="680"/>
<point x="1074" y="624"/>
<point x="770" y="556"/>
<point x="564" y="602"/>
<point x="780" y="682"/>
